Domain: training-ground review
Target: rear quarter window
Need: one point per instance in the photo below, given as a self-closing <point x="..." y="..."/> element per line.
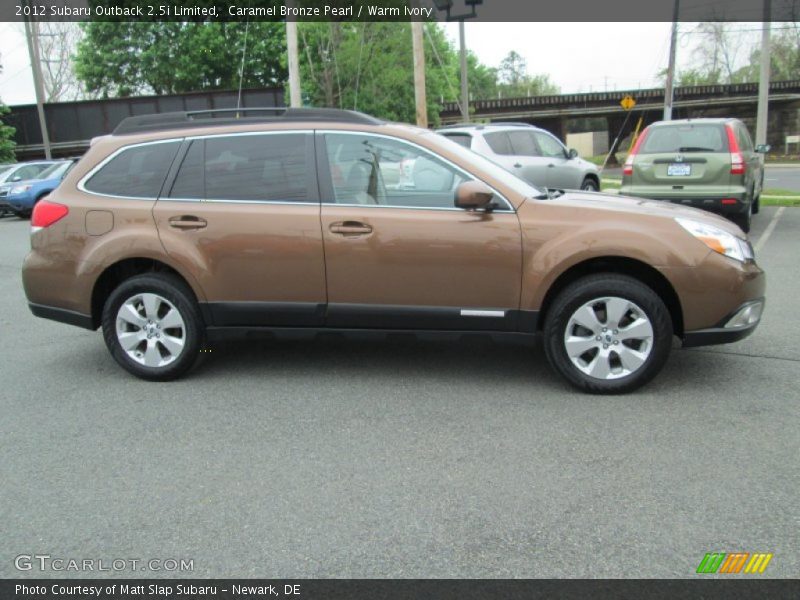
<point x="135" y="172"/>
<point x="685" y="138"/>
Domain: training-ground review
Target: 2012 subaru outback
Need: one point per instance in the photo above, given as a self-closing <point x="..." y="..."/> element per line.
<point x="188" y="227"/>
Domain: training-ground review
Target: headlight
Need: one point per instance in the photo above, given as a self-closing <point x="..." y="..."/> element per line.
<point x="19" y="189"/>
<point x="718" y="240"/>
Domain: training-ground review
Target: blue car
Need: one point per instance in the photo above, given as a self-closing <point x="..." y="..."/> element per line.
<point x="20" y="196"/>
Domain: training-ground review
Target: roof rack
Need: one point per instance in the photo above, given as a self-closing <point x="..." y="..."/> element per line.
<point x="236" y="116"/>
<point x="512" y="123"/>
<point x="454" y="125"/>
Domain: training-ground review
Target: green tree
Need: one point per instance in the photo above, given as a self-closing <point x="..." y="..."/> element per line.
<point x="715" y="59"/>
<point x="514" y="80"/>
<point x="7" y="143"/>
<point x="125" y="58"/>
<point x="784" y="56"/>
<point x="369" y="67"/>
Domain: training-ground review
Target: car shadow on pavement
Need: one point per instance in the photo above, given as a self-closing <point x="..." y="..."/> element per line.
<point x="475" y="358"/>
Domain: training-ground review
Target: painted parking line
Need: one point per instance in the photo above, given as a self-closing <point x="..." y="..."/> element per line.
<point x="770" y="228"/>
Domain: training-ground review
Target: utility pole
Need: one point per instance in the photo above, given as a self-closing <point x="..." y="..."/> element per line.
<point x="295" y="99"/>
<point x="36" y="67"/>
<point x="763" y="79"/>
<point x="464" y="81"/>
<point x="419" y="73"/>
<point x="669" y="88"/>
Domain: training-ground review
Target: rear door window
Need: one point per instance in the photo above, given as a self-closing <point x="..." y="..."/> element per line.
<point x="499" y="143"/>
<point x="523" y="144"/>
<point x="189" y="182"/>
<point x="268" y="167"/>
<point x="136" y="172"/>
<point x="685" y="138"/>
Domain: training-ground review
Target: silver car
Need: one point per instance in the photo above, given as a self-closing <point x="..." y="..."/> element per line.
<point x="534" y="154"/>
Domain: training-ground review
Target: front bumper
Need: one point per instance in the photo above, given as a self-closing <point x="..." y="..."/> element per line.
<point x="19" y="203"/>
<point x="734" y="327"/>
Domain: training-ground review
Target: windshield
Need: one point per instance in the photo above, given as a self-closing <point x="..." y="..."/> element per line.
<point x="56" y="170"/>
<point x="506" y="177"/>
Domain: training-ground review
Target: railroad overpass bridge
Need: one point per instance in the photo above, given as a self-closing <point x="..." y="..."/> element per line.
<point x="73" y="124"/>
<point x="559" y="114"/>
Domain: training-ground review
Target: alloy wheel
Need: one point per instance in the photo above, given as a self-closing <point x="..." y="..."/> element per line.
<point x="151" y="330"/>
<point x="608" y="338"/>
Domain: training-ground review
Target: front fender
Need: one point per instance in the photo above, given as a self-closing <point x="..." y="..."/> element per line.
<point x="554" y="243"/>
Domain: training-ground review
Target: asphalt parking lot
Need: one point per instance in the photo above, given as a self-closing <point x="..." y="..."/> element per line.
<point x="402" y="458"/>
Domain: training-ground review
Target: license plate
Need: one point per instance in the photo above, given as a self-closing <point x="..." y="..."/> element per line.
<point x="679" y="170"/>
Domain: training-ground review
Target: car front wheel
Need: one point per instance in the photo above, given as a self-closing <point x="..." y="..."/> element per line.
<point x="607" y="334"/>
<point x="152" y="326"/>
<point x="590" y="185"/>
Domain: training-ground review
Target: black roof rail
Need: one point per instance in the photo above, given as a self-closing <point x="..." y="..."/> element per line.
<point x="512" y="123"/>
<point x="235" y="116"/>
<point x="454" y="125"/>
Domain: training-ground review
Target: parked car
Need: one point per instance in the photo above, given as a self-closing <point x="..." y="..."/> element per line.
<point x="13" y="173"/>
<point x="529" y="152"/>
<point x="707" y="163"/>
<point x="184" y="228"/>
<point x="21" y="196"/>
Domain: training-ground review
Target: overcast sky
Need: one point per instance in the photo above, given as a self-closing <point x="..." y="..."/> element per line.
<point x="579" y="57"/>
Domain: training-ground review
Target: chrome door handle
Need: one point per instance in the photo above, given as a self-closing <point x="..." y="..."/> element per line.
<point x="350" y="228"/>
<point x="187" y="222"/>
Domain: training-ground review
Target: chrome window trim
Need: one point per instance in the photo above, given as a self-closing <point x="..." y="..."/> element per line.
<point x="234" y="201"/>
<point x="82" y="183"/>
<point x="509" y="207"/>
<point x="206" y="136"/>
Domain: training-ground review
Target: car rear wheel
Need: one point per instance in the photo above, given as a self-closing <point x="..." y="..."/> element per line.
<point x="607" y="334"/>
<point x="590" y="185"/>
<point x="152" y="327"/>
<point x="743" y="220"/>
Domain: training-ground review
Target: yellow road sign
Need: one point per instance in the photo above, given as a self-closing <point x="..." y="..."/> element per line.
<point x="627" y="102"/>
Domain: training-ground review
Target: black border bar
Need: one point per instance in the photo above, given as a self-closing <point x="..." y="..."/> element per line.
<point x="400" y="10"/>
<point x="707" y="587"/>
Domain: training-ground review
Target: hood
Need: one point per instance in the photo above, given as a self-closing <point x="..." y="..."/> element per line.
<point x="580" y="200"/>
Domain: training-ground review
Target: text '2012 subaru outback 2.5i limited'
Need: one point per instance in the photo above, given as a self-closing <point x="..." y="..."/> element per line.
<point x="186" y="227"/>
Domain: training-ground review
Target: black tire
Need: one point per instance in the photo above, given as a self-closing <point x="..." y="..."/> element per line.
<point x="744" y="220"/>
<point x="597" y="287"/>
<point x="590" y="185"/>
<point x="756" y="203"/>
<point x="178" y="294"/>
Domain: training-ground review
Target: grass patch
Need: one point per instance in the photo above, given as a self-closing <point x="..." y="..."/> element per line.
<point x="610" y="184"/>
<point x="779" y="201"/>
<point x="775" y="158"/>
<point x="779" y="192"/>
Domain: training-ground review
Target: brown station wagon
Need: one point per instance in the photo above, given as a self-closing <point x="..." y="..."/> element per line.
<point x="185" y="228"/>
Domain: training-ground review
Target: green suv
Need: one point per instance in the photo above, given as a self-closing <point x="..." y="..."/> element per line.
<point x="706" y="163"/>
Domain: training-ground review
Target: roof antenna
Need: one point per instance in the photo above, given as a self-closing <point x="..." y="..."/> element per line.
<point x="241" y="69"/>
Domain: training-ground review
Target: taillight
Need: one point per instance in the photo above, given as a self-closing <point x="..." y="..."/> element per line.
<point x="46" y="213"/>
<point x="737" y="160"/>
<point x="627" y="168"/>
